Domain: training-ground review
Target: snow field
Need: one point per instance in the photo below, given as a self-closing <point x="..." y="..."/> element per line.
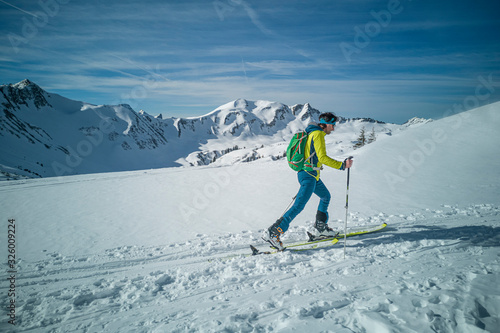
<point x="140" y="251"/>
<point x="427" y="272"/>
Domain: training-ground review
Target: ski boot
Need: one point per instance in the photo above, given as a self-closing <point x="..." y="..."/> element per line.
<point x="272" y="235"/>
<point x="321" y="226"/>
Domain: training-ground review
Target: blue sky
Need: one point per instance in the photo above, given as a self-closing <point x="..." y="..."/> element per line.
<point x="389" y="60"/>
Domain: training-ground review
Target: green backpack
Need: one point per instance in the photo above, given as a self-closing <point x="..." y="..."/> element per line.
<point x="295" y="151"/>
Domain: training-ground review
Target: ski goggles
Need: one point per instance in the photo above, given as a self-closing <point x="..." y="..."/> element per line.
<point x="323" y="121"/>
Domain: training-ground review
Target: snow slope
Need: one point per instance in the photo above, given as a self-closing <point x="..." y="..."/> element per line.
<point x="137" y="251"/>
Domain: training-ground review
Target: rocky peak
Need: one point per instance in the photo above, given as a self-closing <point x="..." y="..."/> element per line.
<point x="22" y="93"/>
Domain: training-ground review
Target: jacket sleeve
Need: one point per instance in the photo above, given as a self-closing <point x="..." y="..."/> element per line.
<point x="320" y="148"/>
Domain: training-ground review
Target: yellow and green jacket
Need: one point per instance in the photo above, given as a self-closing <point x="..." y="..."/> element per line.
<point x="316" y="147"/>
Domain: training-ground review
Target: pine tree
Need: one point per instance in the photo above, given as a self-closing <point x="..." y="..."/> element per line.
<point x="361" y="139"/>
<point x="372" y="136"/>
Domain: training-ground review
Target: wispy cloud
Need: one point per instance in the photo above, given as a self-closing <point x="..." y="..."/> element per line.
<point x="185" y="53"/>
<point x="19" y="9"/>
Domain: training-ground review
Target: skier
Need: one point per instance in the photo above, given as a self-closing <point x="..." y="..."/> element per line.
<point x="308" y="177"/>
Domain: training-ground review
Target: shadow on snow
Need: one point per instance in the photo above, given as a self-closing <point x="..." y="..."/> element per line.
<point x="479" y="235"/>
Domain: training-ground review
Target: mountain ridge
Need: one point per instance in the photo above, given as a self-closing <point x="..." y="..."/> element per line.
<point x="45" y="134"/>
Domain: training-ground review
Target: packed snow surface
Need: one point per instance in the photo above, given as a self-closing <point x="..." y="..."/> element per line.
<point x="144" y="251"/>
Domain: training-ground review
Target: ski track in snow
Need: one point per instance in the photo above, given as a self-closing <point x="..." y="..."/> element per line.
<point x="436" y="272"/>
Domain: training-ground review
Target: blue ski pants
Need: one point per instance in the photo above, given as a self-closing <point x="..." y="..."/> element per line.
<point x="308" y="186"/>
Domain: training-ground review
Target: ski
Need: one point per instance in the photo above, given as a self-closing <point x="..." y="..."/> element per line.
<point x="314" y="238"/>
<point x="315" y="243"/>
<point x="314" y="246"/>
<point x="351" y="232"/>
<point x="256" y="251"/>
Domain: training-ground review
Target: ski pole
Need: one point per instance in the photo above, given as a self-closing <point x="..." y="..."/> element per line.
<point x="293" y="199"/>
<point x="346" y="204"/>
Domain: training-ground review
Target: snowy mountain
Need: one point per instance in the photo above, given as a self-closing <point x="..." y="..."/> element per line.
<point x="416" y="121"/>
<point x="44" y="134"/>
<point x="138" y="251"/>
<point x="242" y="125"/>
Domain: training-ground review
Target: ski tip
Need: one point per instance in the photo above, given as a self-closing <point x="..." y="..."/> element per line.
<point x="255" y="251"/>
